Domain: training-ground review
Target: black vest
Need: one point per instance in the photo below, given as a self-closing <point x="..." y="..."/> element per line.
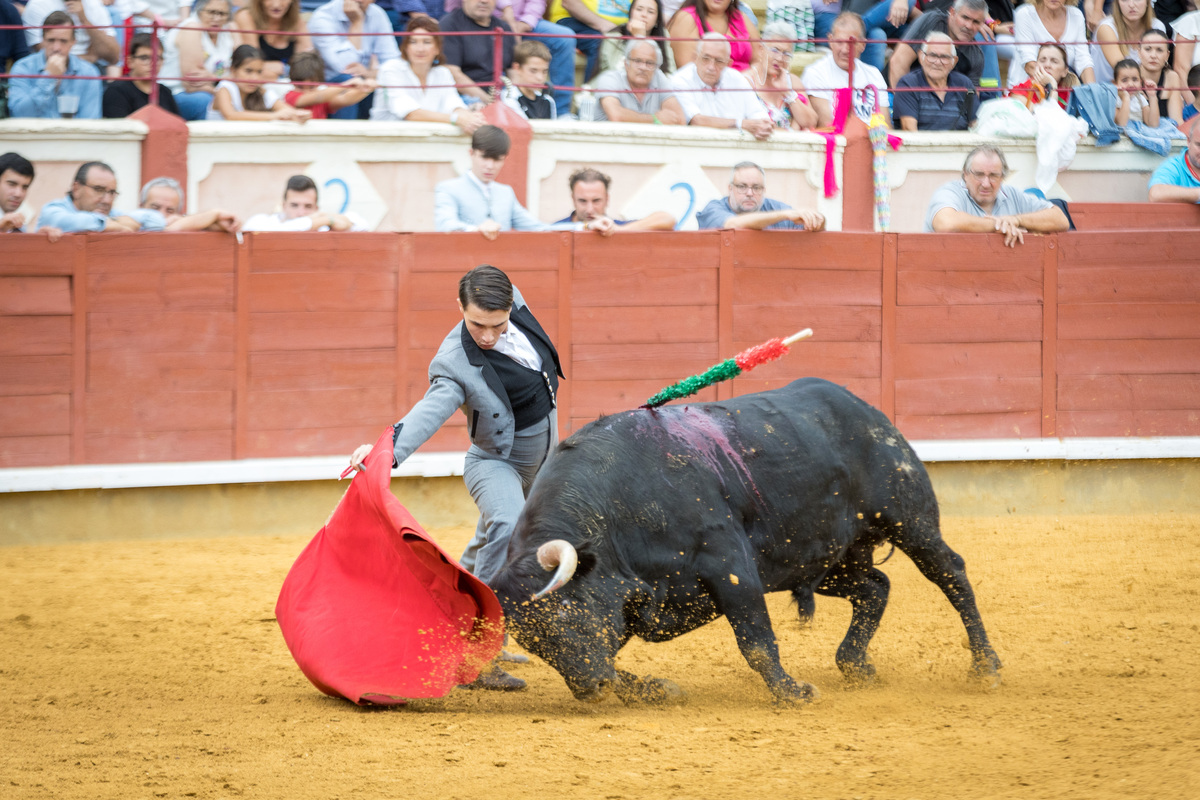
<point x="528" y="389"/>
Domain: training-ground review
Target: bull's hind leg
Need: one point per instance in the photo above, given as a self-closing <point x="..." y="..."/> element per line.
<point x="867" y="590"/>
<point x="946" y="568"/>
<point x="739" y="596"/>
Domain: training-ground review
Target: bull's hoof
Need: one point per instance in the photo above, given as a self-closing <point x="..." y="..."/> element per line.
<point x="800" y="695"/>
<point x="858" y="675"/>
<point x="649" y="691"/>
<point x="985" y="670"/>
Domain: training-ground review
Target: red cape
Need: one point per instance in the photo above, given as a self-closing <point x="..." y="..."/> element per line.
<point x="374" y="611"/>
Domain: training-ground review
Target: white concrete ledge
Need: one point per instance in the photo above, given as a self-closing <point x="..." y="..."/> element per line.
<point x="440" y="465"/>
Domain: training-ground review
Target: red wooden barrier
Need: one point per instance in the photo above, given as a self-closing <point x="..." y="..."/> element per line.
<point x="179" y="347"/>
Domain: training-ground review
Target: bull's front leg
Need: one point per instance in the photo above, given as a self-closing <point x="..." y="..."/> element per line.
<point x="739" y="596"/>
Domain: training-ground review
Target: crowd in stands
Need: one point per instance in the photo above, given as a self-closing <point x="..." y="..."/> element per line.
<point x="698" y="62"/>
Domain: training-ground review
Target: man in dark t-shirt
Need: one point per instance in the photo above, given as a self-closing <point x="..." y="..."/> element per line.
<point x="122" y="98"/>
<point x="962" y="22"/>
<point x="471" y="58"/>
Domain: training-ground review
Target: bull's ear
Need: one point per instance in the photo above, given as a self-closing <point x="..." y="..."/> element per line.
<point x="587" y="559"/>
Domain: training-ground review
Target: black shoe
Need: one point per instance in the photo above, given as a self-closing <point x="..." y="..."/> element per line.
<point x="512" y="658"/>
<point x="497" y="680"/>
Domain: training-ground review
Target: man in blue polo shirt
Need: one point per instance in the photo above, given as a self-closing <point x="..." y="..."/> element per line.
<point x="747" y="206"/>
<point x="1177" y="180"/>
<point x="943" y="100"/>
<point x="589" y="195"/>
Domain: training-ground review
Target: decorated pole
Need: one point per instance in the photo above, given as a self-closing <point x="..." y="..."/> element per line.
<point x="744" y="361"/>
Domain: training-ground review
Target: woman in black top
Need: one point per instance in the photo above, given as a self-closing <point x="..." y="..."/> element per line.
<point x="122" y="98"/>
<point x="277" y="48"/>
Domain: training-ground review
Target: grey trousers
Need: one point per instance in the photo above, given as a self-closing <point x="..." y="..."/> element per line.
<point x="499" y="487"/>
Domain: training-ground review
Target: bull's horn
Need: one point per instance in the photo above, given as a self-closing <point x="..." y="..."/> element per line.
<point x="561" y="554"/>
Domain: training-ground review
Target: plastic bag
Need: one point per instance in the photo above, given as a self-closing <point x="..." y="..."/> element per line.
<point x="1057" y="135"/>
<point x="1006" y="116"/>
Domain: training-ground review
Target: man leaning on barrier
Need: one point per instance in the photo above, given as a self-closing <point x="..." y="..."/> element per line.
<point x="748" y="207"/>
<point x="16" y="176"/>
<point x="980" y="202"/>
<point x="589" y="196"/>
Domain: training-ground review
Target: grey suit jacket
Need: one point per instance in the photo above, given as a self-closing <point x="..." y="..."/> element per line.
<point x="461" y="377"/>
<point x="460" y="205"/>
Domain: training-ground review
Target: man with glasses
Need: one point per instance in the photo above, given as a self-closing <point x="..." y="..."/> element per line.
<point x="981" y="203"/>
<point x="714" y="96"/>
<point x="748" y="208"/>
<point x="939" y="99"/>
<point x="961" y="22"/>
<point x="639" y="92"/>
<point x="88" y="206"/>
<point x="55" y="95"/>
<point x="122" y="98"/>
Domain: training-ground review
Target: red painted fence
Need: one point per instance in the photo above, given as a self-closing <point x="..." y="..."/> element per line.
<point x="180" y="347"/>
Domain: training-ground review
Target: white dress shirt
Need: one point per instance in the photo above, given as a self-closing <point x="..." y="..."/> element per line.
<point x="516" y="345"/>
<point x="732" y="98"/>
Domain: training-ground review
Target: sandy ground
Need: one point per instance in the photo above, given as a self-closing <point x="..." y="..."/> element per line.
<point x="156" y="669"/>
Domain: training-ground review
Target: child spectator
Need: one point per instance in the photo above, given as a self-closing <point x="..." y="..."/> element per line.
<point x="1131" y="95"/>
<point x="323" y="101"/>
<point x="531" y="68"/>
<point x="1050" y="76"/>
<point x="241" y="95"/>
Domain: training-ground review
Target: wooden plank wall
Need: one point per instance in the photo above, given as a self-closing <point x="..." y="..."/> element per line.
<point x="184" y="347"/>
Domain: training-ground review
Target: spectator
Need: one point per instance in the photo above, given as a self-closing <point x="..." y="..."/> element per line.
<point x="525" y="16"/>
<point x="420" y="65"/>
<point x="97" y="45"/>
<point x="302" y="213"/>
<point x="1129" y="21"/>
<point x="1153" y="52"/>
<point x="589" y="195"/>
<point x="589" y="18"/>
<point x="88" y="205"/>
<point x="1050" y="74"/>
<point x="886" y="19"/>
<point x="944" y="100"/>
<point x="645" y="19"/>
<point x="1177" y="180"/>
<point x="323" y="101"/>
<point x="55" y="95"/>
<point x="16" y="175"/>
<point x="781" y="92"/>
<point x="714" y="96"/>
<point x="402" y="12"/>
<point x="241" y="96"/>
<point x="1187" y="55"/>
<point x="526" y="92"/>
<point x="122" y="98"/>
<point x="1132" y="102"/>
<point x="475" y="202"/>
<point x="981" y="203"/>
<point x="195" y="60"/>
<point x="636" y="91"/>
<point x="471" y="58"/>
<point x="831" y="73"/>
<point x="962" y="22"/>
<point x="1033" y="22"/>
<point x="164" y="197"/>
<point x="288" y="39"/>
<point x="747" y="206"/>
<point x="1192" y="108"/>
<point x="697" y="18"/>
<point x="13" y="46"/>
<point x="350" y="54"/>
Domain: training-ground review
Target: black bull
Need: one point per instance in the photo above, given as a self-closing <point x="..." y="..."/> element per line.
<point x="659" y="521"/>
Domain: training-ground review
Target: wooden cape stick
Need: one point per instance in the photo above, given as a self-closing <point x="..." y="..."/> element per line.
<point x="730" y="368"/>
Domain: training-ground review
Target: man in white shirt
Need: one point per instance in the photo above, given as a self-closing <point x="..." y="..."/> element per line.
<point x="824" y="78"/>
<point x="715" y="96"/>
<point x="91" y="44"/>
<point x="301" y="213"/>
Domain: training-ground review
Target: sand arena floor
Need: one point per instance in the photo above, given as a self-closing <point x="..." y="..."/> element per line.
<point x="155" y="669"/>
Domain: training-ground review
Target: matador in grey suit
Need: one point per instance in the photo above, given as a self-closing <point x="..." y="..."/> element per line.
<point x="501" y="370"/>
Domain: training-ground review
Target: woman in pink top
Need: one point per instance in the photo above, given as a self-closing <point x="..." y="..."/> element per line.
<point x="697" y="17"/>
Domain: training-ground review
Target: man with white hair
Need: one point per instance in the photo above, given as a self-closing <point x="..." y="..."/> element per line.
<point x="637" y="92"/>
<point x="747" y="207"/>
<point x="961" y="22"/>
<point x="164" y="197"/>
<point x="938" y="98"/>
<point x="715" y="96"/>
<point x="824" y="78"/>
